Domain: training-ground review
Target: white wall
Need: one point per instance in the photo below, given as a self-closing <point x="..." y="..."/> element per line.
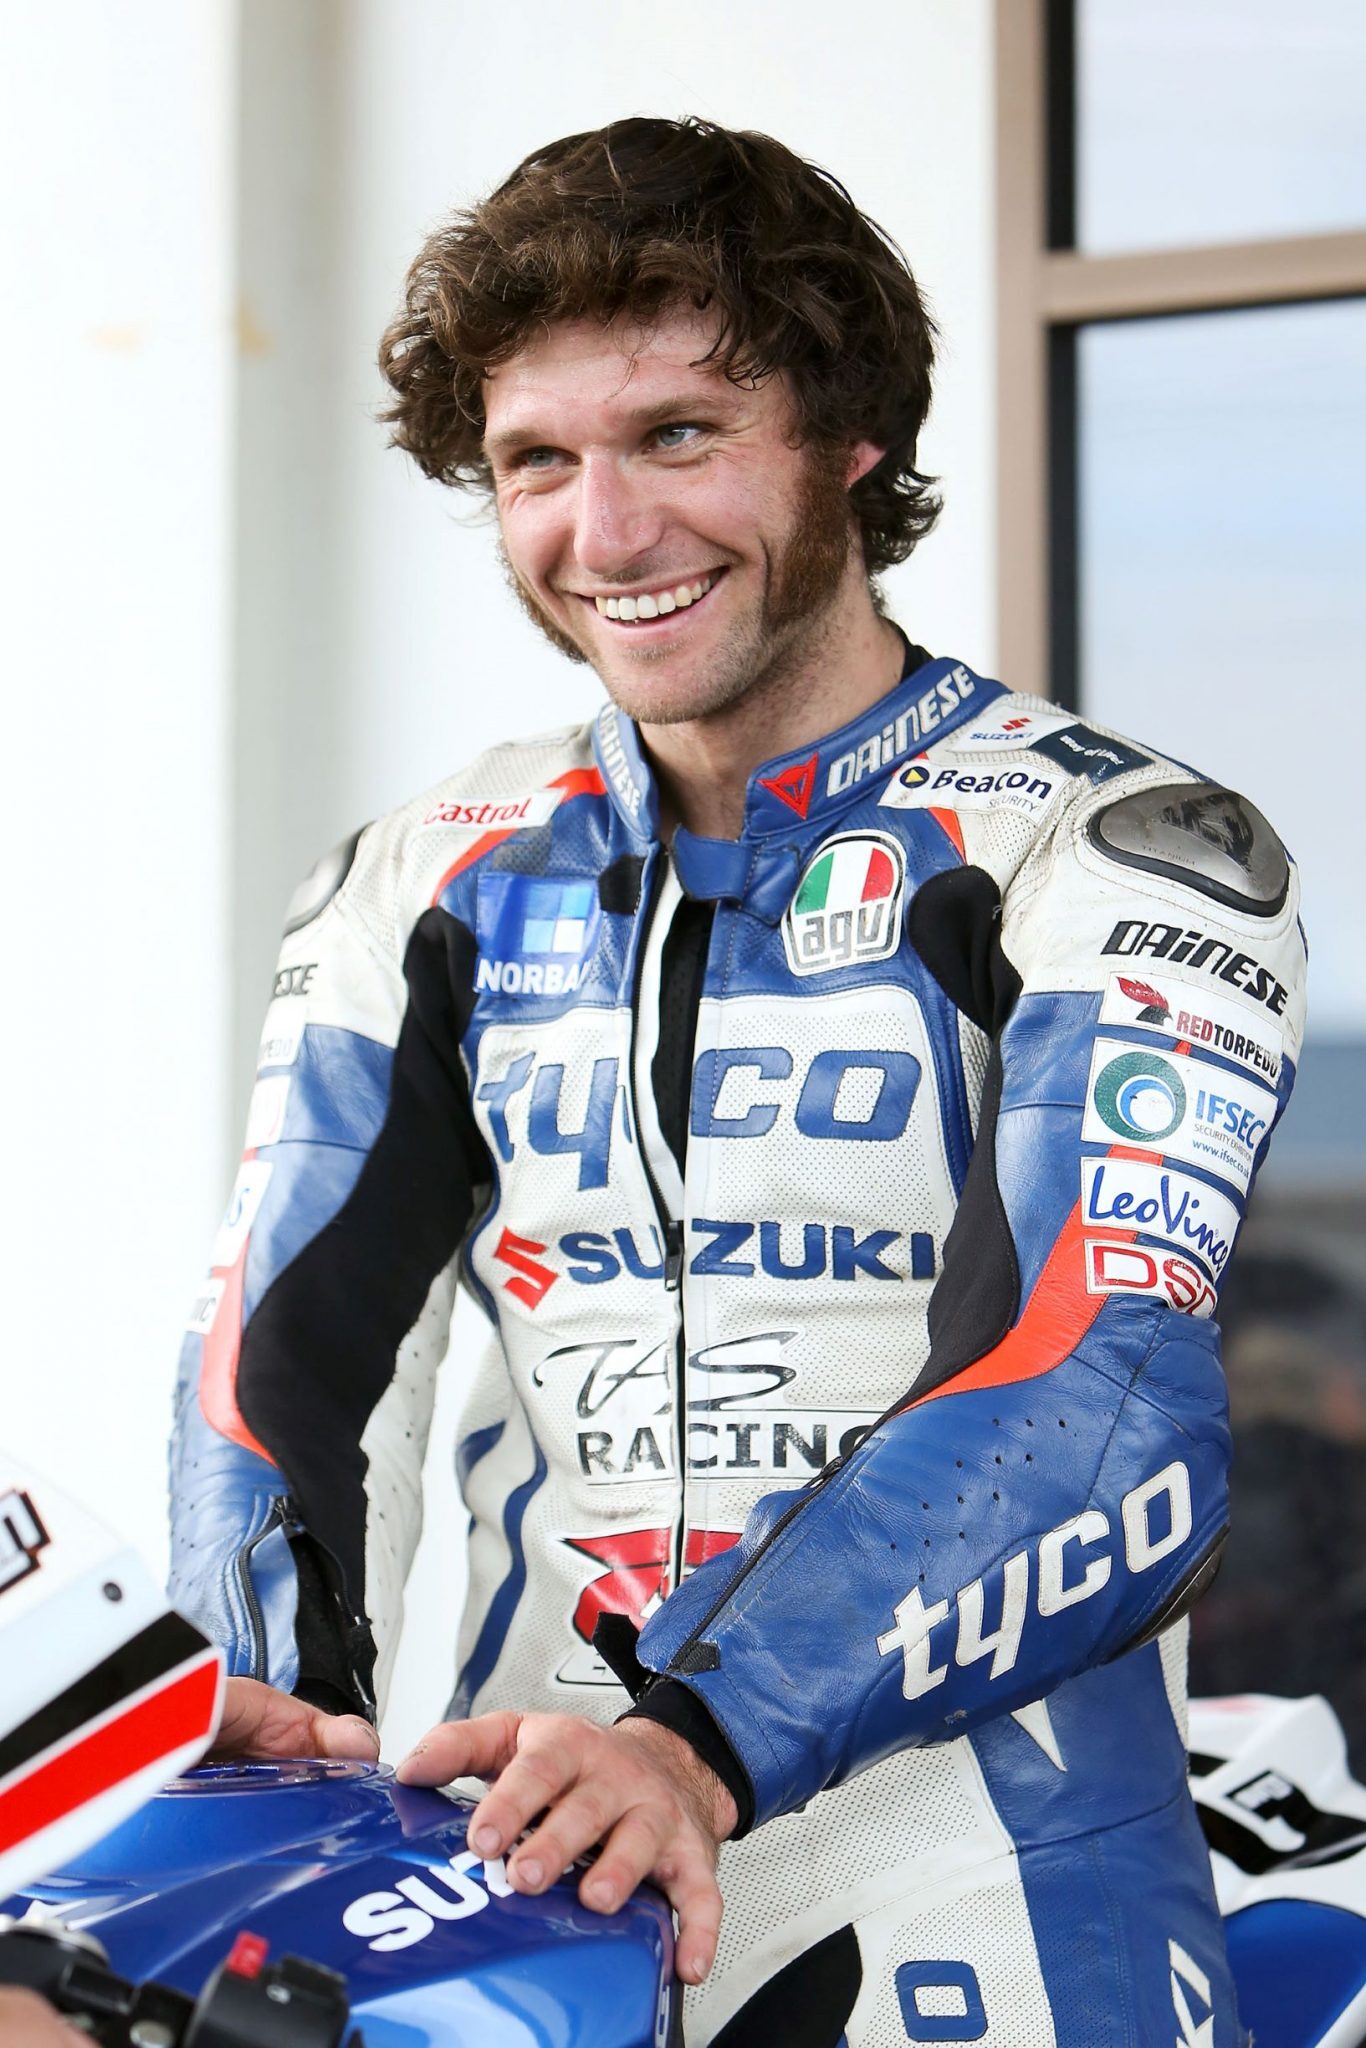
<point x="116" y="357"/>
<point x="394" y="652"/>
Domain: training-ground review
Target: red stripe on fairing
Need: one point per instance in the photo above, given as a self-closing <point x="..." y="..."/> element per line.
<point x="182" y="1712"/>
<point x="218" y="1361"/>
<point x="949" y="821"/>
<point x="574" y="782"/>
<point x="1057" y="1316"/>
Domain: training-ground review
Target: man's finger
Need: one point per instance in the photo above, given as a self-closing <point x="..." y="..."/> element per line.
<point x="342" y="1735"/>
<point x="689" y="1883"/>
<point x="462" y="1749"/>
<point x="582" y="1818"/>
<point x="630" y="1855"/>
<point x="541" y="1771"/>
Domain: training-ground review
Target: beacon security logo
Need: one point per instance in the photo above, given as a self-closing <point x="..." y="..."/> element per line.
<point x="1186" y="1109"/>
<point x="922" y="785"/>
<point x="847" y="909"/>
<point x="536" y="934"/>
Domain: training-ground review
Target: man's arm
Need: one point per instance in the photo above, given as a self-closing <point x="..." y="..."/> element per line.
<point x="1051" y="1491"/>
<point x="307" y="1376"/>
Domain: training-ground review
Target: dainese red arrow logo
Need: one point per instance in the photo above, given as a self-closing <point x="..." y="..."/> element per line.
<point x="794" y="786"/>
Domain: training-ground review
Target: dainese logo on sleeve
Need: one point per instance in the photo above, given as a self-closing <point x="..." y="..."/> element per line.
<point x="847" y="909"/>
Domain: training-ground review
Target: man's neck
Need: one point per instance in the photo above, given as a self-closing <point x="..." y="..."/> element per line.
<point x="704" y="764"/>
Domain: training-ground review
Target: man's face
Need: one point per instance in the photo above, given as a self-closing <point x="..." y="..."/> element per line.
<point x="658" y="520"/>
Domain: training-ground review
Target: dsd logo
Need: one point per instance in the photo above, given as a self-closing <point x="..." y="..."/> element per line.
<point x="1133" y="1269"/>
<point x="847" y="909"/>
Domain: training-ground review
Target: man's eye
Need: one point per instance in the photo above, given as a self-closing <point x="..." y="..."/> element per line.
<point x="678" y="434"/>
<point x="538" y="458"/>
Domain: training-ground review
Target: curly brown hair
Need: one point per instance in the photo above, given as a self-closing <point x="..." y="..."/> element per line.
<point x="647" y="214"/>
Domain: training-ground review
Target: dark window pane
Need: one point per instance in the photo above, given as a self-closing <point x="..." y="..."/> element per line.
<point x="1218" y="120"/>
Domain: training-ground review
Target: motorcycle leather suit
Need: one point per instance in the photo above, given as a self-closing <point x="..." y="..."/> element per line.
<point x="848" y="1203"/>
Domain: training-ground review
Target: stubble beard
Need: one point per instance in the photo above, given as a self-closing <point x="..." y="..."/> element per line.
<point x="805" y="571"/>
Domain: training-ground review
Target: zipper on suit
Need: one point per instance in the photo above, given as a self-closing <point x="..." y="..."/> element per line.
<point x="279" y="1514"/>
<point x="670" y="1230"/>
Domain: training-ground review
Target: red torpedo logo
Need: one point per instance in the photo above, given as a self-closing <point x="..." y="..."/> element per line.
<point x="794" y="786"/>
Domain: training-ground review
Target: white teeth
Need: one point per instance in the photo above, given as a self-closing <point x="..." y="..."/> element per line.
<point x="654" y="604"/>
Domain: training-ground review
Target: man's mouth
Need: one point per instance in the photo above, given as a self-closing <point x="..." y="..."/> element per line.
<point x="643" y="605"/>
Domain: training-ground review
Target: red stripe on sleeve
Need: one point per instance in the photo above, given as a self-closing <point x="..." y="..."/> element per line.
<point x="1056" y="1317"/>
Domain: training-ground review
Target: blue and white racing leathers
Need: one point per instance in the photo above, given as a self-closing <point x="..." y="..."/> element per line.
<point x="848" y="1204"/>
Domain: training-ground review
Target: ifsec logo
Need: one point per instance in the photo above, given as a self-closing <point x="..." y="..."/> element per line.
<point x="536" y="936"/>
<point x="1140" y="1097"/>
<point x="847" y="909"/>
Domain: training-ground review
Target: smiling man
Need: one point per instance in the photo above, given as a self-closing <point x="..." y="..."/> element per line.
<point x="839" y="1081"/>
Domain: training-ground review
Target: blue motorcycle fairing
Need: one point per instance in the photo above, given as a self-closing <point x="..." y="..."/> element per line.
<point x="338" y="1863"/>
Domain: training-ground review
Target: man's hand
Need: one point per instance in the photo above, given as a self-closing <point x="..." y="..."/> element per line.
<point x="259" y="1721"/>
<point x="638" y="1789"/>
<point x="28" y="2021"/>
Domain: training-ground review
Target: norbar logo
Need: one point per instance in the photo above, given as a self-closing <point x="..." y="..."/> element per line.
<point x="496" y="813"/>
<point x="1182" y="945"/>
<point x="904" y="732"/>
<point x="847" y="909"/>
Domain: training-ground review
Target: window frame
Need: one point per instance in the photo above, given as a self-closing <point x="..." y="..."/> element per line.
<point x="1047" y="291"/>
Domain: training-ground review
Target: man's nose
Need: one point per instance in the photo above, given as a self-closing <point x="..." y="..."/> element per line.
<point x="618" y="517"/>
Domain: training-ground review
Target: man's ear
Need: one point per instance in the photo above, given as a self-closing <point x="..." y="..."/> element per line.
<point x="863" y="456"/>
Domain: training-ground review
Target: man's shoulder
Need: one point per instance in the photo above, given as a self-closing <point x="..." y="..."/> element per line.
<point x="507" y="786"/>
<point x="397" y="866"/>
<point x="1029" y="778"/>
